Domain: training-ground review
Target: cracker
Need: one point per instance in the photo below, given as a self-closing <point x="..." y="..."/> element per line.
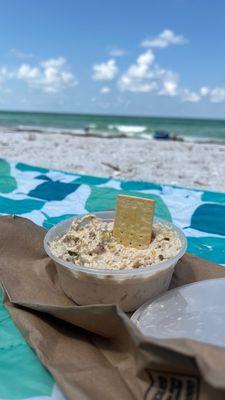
<point x="133" y="221"/>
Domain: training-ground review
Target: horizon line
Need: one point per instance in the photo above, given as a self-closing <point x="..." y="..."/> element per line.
<point x="112" y="115"/>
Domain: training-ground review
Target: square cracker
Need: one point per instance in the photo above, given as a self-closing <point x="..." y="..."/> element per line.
<point x="133" y="221"/>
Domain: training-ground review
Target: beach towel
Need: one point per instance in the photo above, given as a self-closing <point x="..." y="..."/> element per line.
<point x="48" y="196"/>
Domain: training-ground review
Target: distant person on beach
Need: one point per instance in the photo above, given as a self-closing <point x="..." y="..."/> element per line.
<point x="87" y="129"/>
<point x="176" y="138"/>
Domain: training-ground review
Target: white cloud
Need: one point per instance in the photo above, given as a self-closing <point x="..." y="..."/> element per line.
<point x="26" y="72"/>
<point x="105" y="90"/>
<point x="117" y="52"/>
<point x="189" y="96"/>
<point x="5" y="74"/>
<point x="51" y="75"/>
<point x="204" y="91"/>
<point x="141" y="68"/>
<point x="217" y="94"/>
<point x="53" y="62"/>
<point x="144" y="76"/>
<point x="164" y="39"/>
<point x="20" y="54"/>
<point x="170" y="87"/>
<point x="105" y="71"/>
<point x="214" y="95"/>
<point x="136" y="78"/>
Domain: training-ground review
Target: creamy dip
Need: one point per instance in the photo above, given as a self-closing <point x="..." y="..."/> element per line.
<point x="90" y="242"/>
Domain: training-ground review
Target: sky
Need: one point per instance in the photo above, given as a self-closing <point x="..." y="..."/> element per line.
<point x="145" y="57"/>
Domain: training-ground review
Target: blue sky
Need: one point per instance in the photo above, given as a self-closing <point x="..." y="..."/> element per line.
<point x="164" y="57"/>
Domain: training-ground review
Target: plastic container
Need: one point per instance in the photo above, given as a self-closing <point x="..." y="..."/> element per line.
<point x="127" y="288"/>
<point x="195" y="311"/>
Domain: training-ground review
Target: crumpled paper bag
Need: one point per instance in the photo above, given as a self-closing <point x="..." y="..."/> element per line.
<point x="96" y="352"/>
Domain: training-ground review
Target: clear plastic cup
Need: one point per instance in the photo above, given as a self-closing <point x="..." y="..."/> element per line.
<point x="127" y="288"/>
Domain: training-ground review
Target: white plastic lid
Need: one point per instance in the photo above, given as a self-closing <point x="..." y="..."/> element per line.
<point x="195" y="311"/>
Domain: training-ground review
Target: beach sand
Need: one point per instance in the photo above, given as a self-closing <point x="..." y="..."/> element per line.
<point x="179" y="163"/>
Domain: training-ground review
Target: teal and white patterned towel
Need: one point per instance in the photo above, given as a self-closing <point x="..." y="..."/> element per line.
<point x="46" y="197"/>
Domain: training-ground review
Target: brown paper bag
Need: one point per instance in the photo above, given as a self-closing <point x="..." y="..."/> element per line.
<point x="96" y="352"/>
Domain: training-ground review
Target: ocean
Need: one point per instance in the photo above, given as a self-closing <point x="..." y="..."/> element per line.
<point x="206" y="130"/>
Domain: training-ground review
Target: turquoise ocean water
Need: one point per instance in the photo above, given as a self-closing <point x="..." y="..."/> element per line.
<point x="189" y="129"/>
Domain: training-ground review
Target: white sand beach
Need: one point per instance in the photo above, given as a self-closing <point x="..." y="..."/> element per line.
<point x="181" y="163"/>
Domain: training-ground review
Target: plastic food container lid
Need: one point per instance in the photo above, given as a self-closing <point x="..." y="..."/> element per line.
<point x="195" y="311"/>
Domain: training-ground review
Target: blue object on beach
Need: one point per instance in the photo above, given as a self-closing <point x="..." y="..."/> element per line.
<point x="161" y="135"/>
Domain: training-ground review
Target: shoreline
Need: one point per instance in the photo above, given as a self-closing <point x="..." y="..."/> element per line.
<point x="190" y="164"/>
<point x="107" y="134"/>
